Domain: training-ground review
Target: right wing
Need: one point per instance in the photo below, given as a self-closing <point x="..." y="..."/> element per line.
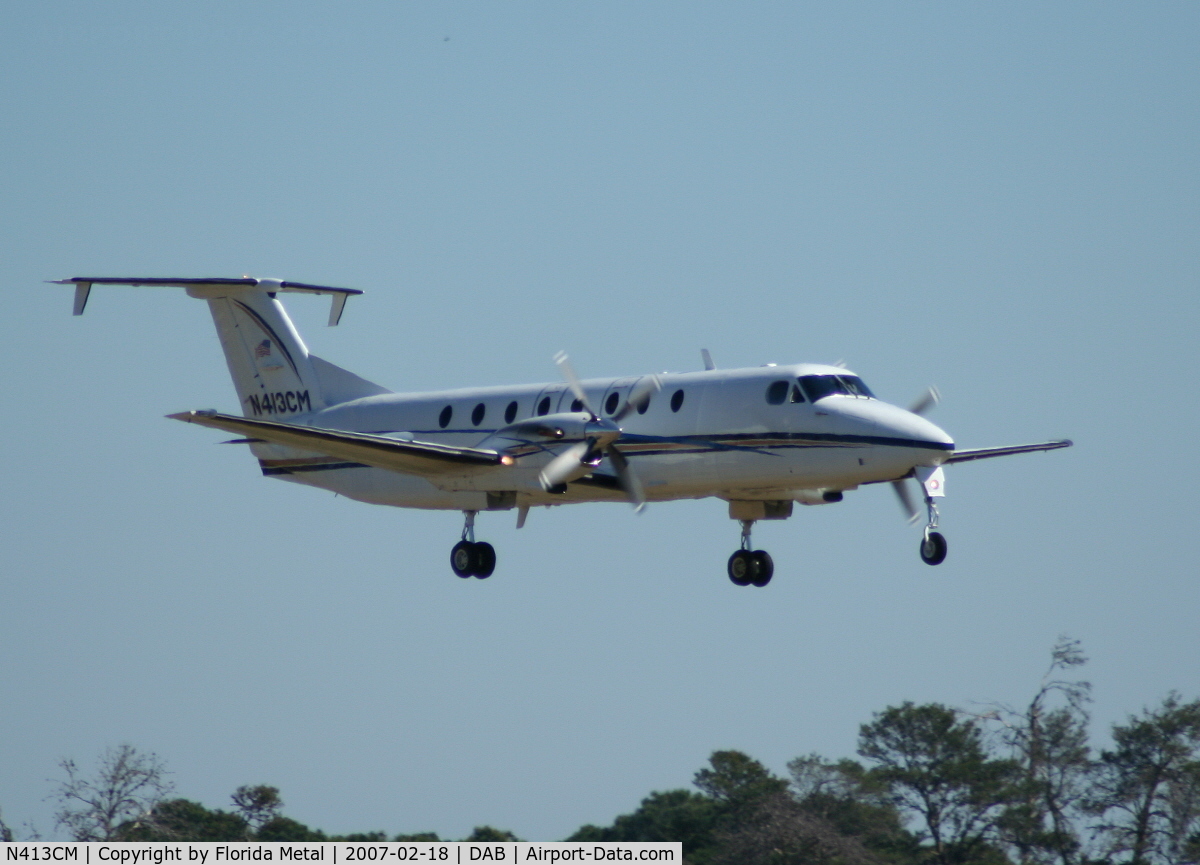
<point x="985" y="453"/>
<point x="407" y="457"/>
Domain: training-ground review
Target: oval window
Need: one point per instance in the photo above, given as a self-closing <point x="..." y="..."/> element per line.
<point x="644" y="406"/>
<point x="676" y="400"/>
<point x="576" y="405"/>
<point x="610" y="404"/>
<point x="544" y="406"/>
<point x="511" y="412"/>
<point x="777" y="392"/>
<point x="444" y="417"/>
<point x="478" y="413"/>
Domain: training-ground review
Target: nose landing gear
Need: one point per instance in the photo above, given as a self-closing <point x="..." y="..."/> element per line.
<point x="933" y="544"/>
<point x="750" y="567"/>
<point x="471" y="558"/>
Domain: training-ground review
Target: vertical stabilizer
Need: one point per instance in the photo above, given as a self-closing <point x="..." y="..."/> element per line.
<point x="267" y="358"/>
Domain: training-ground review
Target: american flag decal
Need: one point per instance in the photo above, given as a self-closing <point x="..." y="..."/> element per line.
<point x="263" y="349"/>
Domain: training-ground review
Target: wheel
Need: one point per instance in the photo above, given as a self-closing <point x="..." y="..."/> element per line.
<point x="462" y="559"/>
<point x="485" y="560"/>
<point x="741" y="568"/>
<point x="933" y="549"/>
<point x="764" y="568"/>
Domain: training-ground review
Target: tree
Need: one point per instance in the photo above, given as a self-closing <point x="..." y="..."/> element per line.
<point x="676" y="815"/>
<point x="6" y="834"/>
<point x="1147" y="791"/>
<point x="778" y="830"/>
<point x="936" y="767"/>
<point x="280" y="828"/>
<point x="484" y="834"/>
<point x="1050" y="746"/>
<point x="736" y="781"/>
<point x="127" y="786"/>
<point x="184" y="820"/>
<point x="856" y="803"/>
<point x="258" y="805"/>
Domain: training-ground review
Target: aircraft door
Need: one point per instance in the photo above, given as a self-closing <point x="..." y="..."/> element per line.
<point x="547" y="401"/>
<point x="615" y="396"/>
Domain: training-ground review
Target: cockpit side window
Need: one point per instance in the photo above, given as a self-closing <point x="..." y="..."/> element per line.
<point x="820" y="386"/>
<point x="777" y="392"/>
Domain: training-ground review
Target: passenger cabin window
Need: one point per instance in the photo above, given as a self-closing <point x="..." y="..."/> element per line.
<point x="444" y="417"/>
<point x="576" y="405"/>
<point x="677" y="400"/>
<point x="777" y="392"/>
<point x="478" y="413"/>
<point x="820" y="386"/>
<point x="544" y="406"/>
<point x="510" y="413"/>
<point x="610" y="404"/>
<point x="644" y="407"/>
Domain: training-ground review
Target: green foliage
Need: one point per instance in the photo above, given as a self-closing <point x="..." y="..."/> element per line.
<point x="937" y="768"/>
<point x="419" y="836"/>
<point x="287" y="829"/>
<point x="487" y="833"/>
<point x="1147" y="790"/>
<point x="184" y="820"/>
<point x="257" y="804"/>
<point x="676" y="815"/>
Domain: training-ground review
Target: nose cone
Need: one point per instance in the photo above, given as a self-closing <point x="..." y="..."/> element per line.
<point x="892" y="422"/>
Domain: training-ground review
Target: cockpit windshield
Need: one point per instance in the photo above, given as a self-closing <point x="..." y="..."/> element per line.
<point x="820" y="386"/>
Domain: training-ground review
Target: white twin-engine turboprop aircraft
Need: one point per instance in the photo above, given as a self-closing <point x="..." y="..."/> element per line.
<point x="761" y="439"/>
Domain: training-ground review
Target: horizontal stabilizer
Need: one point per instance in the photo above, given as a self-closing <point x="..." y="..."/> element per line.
<point x="986" y="453"/>
<point x="407" y="457"/>
<point x="83" y="285"/>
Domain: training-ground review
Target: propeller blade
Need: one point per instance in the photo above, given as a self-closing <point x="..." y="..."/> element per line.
<point x="567" y="466"/>
<point x="627" y="478"/>
<point x="926" y="401"/>
<point x="568" y="373"/>
<point x="639" y="396"/>
<point x="906" y="502"/>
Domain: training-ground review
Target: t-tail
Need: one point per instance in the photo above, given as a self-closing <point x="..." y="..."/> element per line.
<point x="273" y="371"/>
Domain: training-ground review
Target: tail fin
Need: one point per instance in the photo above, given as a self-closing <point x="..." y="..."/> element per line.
<point x="271" y="368"/>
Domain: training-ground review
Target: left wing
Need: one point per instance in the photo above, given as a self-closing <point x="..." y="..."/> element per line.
<point x="407" y="457"/>
<point x="985" y="453"/>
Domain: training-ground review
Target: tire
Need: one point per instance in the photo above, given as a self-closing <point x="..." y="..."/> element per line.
<point x="462" y="559"/>
<point x="764" y="568"/>
<point x="485" y="560"/>
<point x="741" y="568"/>
<point x="933" y="549"/>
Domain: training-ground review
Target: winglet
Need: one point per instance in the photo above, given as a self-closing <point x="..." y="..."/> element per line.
<point x="707" y="358"/>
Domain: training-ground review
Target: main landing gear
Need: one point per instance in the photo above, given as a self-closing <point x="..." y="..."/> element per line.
<point x="750" y="567"/>
<point x="471" y="558"/>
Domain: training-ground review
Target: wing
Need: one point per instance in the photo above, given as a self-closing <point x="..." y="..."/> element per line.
<point x="985" y="453"/>
<point x="407" y="457"/>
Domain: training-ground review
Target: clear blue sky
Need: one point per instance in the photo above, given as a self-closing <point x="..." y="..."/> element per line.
<point x="1000" y="199"/>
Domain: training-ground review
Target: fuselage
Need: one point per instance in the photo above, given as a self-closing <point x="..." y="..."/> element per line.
<point x="801" y="432"/>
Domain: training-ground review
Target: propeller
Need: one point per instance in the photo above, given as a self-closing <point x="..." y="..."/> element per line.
<point x="906" y="501"/>
<point x="922" y="404"/>
<point x="926" y="401"/>
<point x="575" y="460"/>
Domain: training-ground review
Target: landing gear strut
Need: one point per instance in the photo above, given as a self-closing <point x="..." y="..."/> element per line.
<point x="471" y="558"/>
<point x="750" y="567"/>
<point x="933" y="544"/>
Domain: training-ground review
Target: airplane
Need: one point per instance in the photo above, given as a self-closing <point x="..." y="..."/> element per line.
<point x="762" y="438"/>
